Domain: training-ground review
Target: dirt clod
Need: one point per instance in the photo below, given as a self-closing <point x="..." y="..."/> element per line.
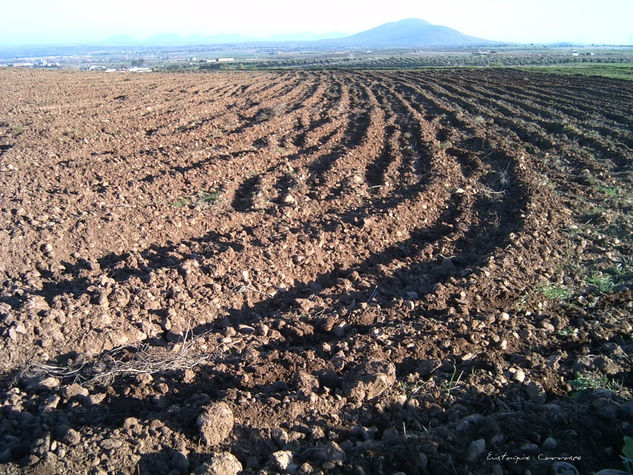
<point x="221" y="463"/>
<point x="215" y="423"/>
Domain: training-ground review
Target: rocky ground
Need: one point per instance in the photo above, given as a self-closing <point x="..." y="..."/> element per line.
<point x="315" y="272"/>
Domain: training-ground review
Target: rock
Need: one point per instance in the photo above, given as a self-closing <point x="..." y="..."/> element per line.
<point x="340" y="329"/>
<point x="283" y="460"/>
<point x="497" y="469"/>
<point x="446" y="267"/>
<point x="627" y="408"/>
<point x="529" y="448"/>
<point x="564" y="468"/>
<point x="391" y="436"/>
<point x="73" y="390"/>
<point x="306" y="382"/>
<point x="469" y="421"/>
<point x="519" y="376"/>
<point x="608" y="412"/>
<point x="426" y="367"/>
<point x="215" y="423"/>
<point x="550" y="443"/>
<point x="37" y="303"/>
<point x="423" y="461"/>
<point x="110" y="444"/>
<point x="50" y="382"/>
<point x="290" y="200"/>
<point x="15" y="453"/>
<point x="596" y="363"/>
<point x="331" y="452"/>
<point x="51" y="402"/>
<point x="94" y="399"/>
<point x="72" y="437"/>
<point x="535" y="392"/>
<point x="280" y="436"/>
<point x="370" y="380"/>
<point x="474" y="450"/>
<point x="305" y="469"/>
<point x="221" y="463"/>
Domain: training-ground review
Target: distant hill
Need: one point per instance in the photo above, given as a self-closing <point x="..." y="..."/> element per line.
<point x="409" y="33"/>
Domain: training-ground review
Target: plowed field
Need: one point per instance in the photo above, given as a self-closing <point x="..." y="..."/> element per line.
<point x="419" y="272"/>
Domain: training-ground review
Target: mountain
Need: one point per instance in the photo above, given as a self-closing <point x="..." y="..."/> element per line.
<point x="409" y="33"/>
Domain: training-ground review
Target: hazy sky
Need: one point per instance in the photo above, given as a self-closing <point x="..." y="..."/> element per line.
<point x="54" y="21"/>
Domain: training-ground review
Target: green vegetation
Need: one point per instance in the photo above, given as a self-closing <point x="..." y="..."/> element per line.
<point x="202" y="198"/>
<point x="410" y="388"/>
<point x="601" y="281"/>
<point x="209" y="197"/>
<point x="586" y="381"/>
<point x="555" y="291"/>
<point x="610" y="191"/>
<point x="451" y="384"/>
<point x="609" y="70"/>
<point x="567" y="332"/>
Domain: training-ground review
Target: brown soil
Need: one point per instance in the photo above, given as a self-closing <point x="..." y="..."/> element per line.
<point x="317" y="272"/>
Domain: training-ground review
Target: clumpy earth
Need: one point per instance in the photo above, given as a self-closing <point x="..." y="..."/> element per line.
<point x="315" y="272"/>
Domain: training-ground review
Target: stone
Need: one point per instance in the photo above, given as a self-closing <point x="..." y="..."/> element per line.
<point x="519" y="376"/>
<point x="280" y="436"/>
<point x="215" y="423"/>
<point x="94" y="399"/>
<point x="627" y="408"/>
<point x="474" y="450"/>
<point x="110" y="444"/>
<point x="331" y="452"/>
<point x="535" y="392"/>
<point x="50" y="382"/>
<point x="51" y="402"/>
<point x="72" y="437"/>
<point x="550" y="443"/>
<point x="306" y="382"/>
<point x="221" y="463"/>
<point x="283" y="460"/>
<point x="369" y="381"/>
<point x="564" y="468"/>
<point x="305" y="469"/>
<point x="529" y="448"/>
<point x="595" y="363"/>
<point x="73" y="390"/>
